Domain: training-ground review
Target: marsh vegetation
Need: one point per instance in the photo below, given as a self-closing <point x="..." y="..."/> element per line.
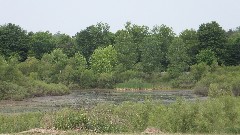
<point x="123" y="82"/>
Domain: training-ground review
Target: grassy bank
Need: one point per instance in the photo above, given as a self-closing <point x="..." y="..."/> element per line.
<point x="215" y="115"/>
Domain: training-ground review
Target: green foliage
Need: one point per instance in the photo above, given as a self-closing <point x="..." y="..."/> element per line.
<point x="42" y="42"/>
<point x="136" y="115"/>
<point x="93" y="37"/>
<point x="88" y="79"/>
<point x="128" y="44"/>
<point x="233" y="50"/>
<point x="135" y="84"/>
<point x="106" y="80"/>
<point x="211" y="116"/>
<point x="57" y="60"/>
<point x="102" y="119"/>
<point x="65" y="43"/>
<point x="220" y="82"/>
<point x="15" y="123"/>
<point x="40" y="88"/>
<point x="104" y="60"/>
<point x="178" y="58"/>
<point x="206" y="56"/>
<point x="13" y="40"/>
<point x="216" y="90"/>
<point x="154" y="48"/>
<point x="30" y="65"/>
<point x="70" y="119"/>
<point x="127" y="75"/>
<point x="212" y="37"/>
<point x="12" y="91"/>
<point x="186" y="80"/>
<point x="190" y="39"/>
<point x="78" y="62"/>
<point x="127" y="55"/>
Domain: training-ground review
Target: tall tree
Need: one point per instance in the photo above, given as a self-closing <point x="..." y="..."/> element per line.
<point x="93" y="37"/>
<point x="66" y="43"/>
<point x="14" y="40"/>
<point x="137" y="33"/>
<point x="177" y="57"/>
<point x="128" y="44"/>
<point x="233" y="52"/>
<point x="211" y="36"/>
<point x="155" y="48"/>
<point x="190" y="38"/>
<point x="42" y="42"/>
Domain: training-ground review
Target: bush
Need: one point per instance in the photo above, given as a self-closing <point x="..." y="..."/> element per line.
<point x="106" y="80"/>
<point x="135" y="115"/>
<point x="225" y="78"/>
<point x="127" y="75"/>
<point x="216" y="90"/>
<point x="12" y="91"/>
<point x="40" y="88"/>
<point x="216" y="115"/>
<point x="70" y="119"/>
<point x="88" y="79"/>
<point x="186" y="80"/>
<point x="103" y="119"/>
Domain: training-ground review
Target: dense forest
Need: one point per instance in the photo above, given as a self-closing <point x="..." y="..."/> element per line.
<point x="138" y="57"/>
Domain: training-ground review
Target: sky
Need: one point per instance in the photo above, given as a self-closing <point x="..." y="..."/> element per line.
<point x="72" y="16"/>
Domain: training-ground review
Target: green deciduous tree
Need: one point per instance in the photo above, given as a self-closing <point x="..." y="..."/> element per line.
<point x="126" y="49"/>
<point x="211" y="36"/>
<point x="104" y="60"/>
<point x="42" y="42"/>
<point x="66" y="43"/>
<point x="154" y="48"/>
<point x="93" y="37"/>
<point x="14" y="40"/>
<point x="52" y="65"/>
<point x="233" y="53"/>
<point x="190" y="39"/>
<point x="177" y="57"/>
<point x="128" y="44"/>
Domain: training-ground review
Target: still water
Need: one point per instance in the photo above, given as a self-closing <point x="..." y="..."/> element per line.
<point x="90" y="98"/>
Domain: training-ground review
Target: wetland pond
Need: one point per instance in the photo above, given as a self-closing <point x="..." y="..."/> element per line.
<point x="90" y="98"/>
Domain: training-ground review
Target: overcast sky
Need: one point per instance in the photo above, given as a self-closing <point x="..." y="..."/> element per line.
<point x="71" y="16"/>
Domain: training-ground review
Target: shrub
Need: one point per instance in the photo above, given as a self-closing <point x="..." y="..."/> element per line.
<point x="135" y="115"/>
<point x="127" y="75"/>
<point x="88" y="79"/>
<point x="106" y="80"/>
<point x="70" y="119"/>
<point x="103" y="119"/>
<point x="40" y="88"/>
<point x="217" y="90"/>
<point x="226" y="78"/>
<point x="12" y="91"/>
<point x="186" y="80"/>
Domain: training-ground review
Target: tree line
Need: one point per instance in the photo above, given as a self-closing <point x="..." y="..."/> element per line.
<point x="96" y="57"/>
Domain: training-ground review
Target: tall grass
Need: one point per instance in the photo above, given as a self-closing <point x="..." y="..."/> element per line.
<point x="215" y="115"/>
<point x="134" y="84"/>
<point x="19" y="122"/>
